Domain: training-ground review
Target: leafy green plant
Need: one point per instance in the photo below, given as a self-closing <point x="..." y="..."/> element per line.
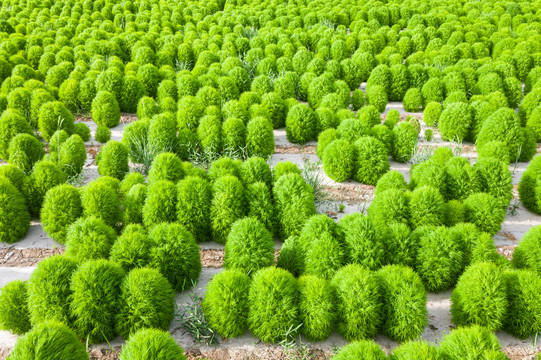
<point x="175" y="254"/>
<point x="427" y="207"/>
<point x="166" y="166"/>
<point x="524" y="313"/>
<point x="14" y="215"/>
<point x="14" y="315"/>
<point x="102" y="201"/>
<point x="228" y="206"/>
<point x="474" y="341"/>
<point x="364" y="245"/>
<point x="301" y="124"/>
<point x="316" y="307"/>
<point x="526" y="255"/>
<point x="103" y="134"/>
<point x="480" y="297"/>
<point x="49" y="339"/>
<point x="112" y="160"/>
<point x="54" y="116"/>
<point x="388" y="207"/>
<point x="273" y="305"/>
<point x="405" y="138"/>
<point x="160" y="203"/>
<point x="95" y="287"/>
<point x="44" y="176"/>
<point x="89" y="238"/>
<point x="339" y="160"/>
<point x="358" y="302"/>
<point x="61" y="207"/>
<point x="485" y="211"/>
<point x="146" y="300"/>
<point x="259" y="137"/>
<point x="226" y="303"/>
<point x="152" y="344"/>
<point x="24" y="151"/>
<point x="105" y="110"/>
<point x="418" y="349"/>
<point x="49" y="292"/>
<point x="362" y="349"/>
<point x="371" y="160"/>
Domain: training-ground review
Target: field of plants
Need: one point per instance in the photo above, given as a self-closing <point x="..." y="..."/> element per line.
<point x="269" y="179"/>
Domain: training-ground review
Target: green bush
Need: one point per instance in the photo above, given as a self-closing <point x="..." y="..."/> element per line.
<point x="370" y="116"/>
<point x="132" y="92"/>
<point x="146" y="300"/>
<point x="226" y="303"/>
<point x="209" y="135"/>
<point x="455" y="121"/>
<point x="112" y="160"/>
<point x="256" y="169"/>
<point x="47" y="340"/>
<point x="316" y="307"/>
<point x="132" y="249"/>
<point x="72" y="156"/>
<point x="388" y="207"/>
<point x="95" y="287"/>
<point x="390" y="180"/>
<point x="364" y="245"/>
<point x="377" y="96"/>
<point x="101" y="201"/>
<point x="528" y="148"/>
<point x="358" y="303"/>
<point x="326" y="119"/>
<point x="45" y="175"/>
<point x="160" y="203"/>
<point x="524" y="312"/>
<point x="301" y="124"/>
<point x="371" y="161"/>
<point x="176" y="255"/>
<point x="89" y="238"/>
<point x="461" y="179"/>
<point x="357" y="99"/>
<point x="276" y="107"/>
<point x="133" y="204"/>
<point x="11" y="124"/>
<point x="485" y="211"/>
<point x="480" y="297"/>
<point x="401" y="246"/>
<point x="495" y="178"/>
<point x="259" y="137"/>
<point x="103" y="134"/>
<point x="339" y="160"/>
<point x="61" y="207"/>
<point x="166" y="166"/>
<point x="360" y="350"/>
<point x="440" y="259"/>
<point x="151" y="344"/>
<point x="130" y="180"/>
<point x="190" y="110"/>
<point x="289" y="256"/>
<point x="234" y="136"/>
<point x="14" y="315"/>
<point x="49" y="292"/>
<point x="14" y="215"/>
<point x="228" y="206"/>
<point x="146" y="108"/>
<point x="404" y="307"/>
<point x="225" y="166"/>
<point x="427" y="207"/>
<point x="273" y="313"/>
<point x="433" y="90"/>
<point x="283" y="168"/>
<point x="526" y="254"/>
<point x="162" y="133"/>
<point x="405" y="139"/>
<point x="417" y="349"/>
<point x="413" y="100"/>
<point x="54" y="116"/>
<point x="105" y="110"/>
<point x="325" y="138"/>
<point x="249" y="246"/>
<point x="351" y="129"/>
<point x="432" y="113"/>
<point x="469" y="342"/>
<point x="392" y="118"/>
<point x="24" y="151"/>
<point x="503" y="125"/>
<point x="527" y="187"/>
<point x="194" y="196"/>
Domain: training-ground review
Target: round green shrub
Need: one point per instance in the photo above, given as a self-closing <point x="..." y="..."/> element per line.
<point x="455" y="121"/>
<point x="370" y="116"/>
<point x="190" y="110"/>
<point x="360" y="350"/>
<point x="14" y="215"/>
<point x="401" y="246"/>
<point x="358" y="303"/>
<point x="89" y="238"/>
<point x="166" y="166"/>
<point x="132" y="249"/>
<point x="339" y="160"/>
<point x="392" y="118"/>
<point x="461" y="178"/>
<point x="495" y="178"/>
<point x="390" y="180"/>
<point x="469" y="342"/>
<point x="112" y="160"/>
<point x="388" y="207"/>
<point x="371" y="161"/>
<point x="440" y="259"/>
<point x="176" y="255"/>
<point x="357" y="99"/>
<point x="364" y="245"/>
<point x="103" y="134"/>
<point x="316" y="307"/>
<point x="45" y="175"/>
<point x="72" y="156"/>
<point x="259" y="137"/>
<point x="404" y="307"/>
<point x="301" y="124"/>
<point x="289" y="256"/>
<point x="101" y="201"/>
<point x="405" y="139"/>
<point x="15" y="176"/>
<point x="209" y="134"/>
<point x="249" y="246"/>
<point x="160" y="203"/>
<point x="194" y="197"/>
<point x="49" y="339"/>
<point x="256" y="169"/>
<point x="433" y="90"/>
<point x="351" y="129"/>
<point x="528" y="147"/>
<point x="234" y="136"/>
<point x="95" y="287"/>
<point x="146" y="300"/>
<point x="132" y="92"/>
<point x="432" y="113"/>
<point x="526" y="254"/>
<point x="61" y="207"/>
<point x="130" y="180"/>
<point x="485" y="211"/>
<point x="105" y="110"/>
<point x="14" y="315"/>
<point x="527" y="187"/>
<point x="322" y="253"/>
<point x="524" y="311"/>
<point x="480" y="297"/>
<point x="417" y="349"/>
<point x="24" y="151"/>
<point x="226" y="303"/>
<point x="427" y="207"/>
<point x="147" y="108"/>
<point x="151" y="344"/>
<point x="54" y="116"/>
<point x="162" y="133"/>
<point x="283" y="168"/>
<point x="503" y="125"/>
<point x="324" y="139"/>
<point x="381" y="75"/>
<point x="49" y="292"/>
<point x="225" y="166"/>
<point x="228" y="206"/>
<point x="133" y="204"/>
<point x="273" y="305"/>
<point x="413" y="100"/>
<point x="377" y="97"/>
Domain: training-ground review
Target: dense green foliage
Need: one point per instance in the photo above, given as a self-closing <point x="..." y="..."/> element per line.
<point x="61" y="207"/>
<point x="14" y="315"/>
<point x="151" y="344"/>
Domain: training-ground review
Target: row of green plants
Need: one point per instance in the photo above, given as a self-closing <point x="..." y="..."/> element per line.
<point x="461" y="343"/>
<point x="53" y="339"/>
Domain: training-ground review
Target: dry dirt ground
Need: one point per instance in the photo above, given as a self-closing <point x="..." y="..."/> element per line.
<point x="17" y="261"/>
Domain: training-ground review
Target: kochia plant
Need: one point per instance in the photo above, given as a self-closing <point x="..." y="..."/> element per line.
<point x="89" y="238"/>
<point x="14" y="315"/>
<point x="61" y="207"/>
<point x="362" y="349"/>
<point x="151" y="344"/>
<point x="316" y="307"/>
<point x="228" y="206"/>
<point x="14" y="215"/>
